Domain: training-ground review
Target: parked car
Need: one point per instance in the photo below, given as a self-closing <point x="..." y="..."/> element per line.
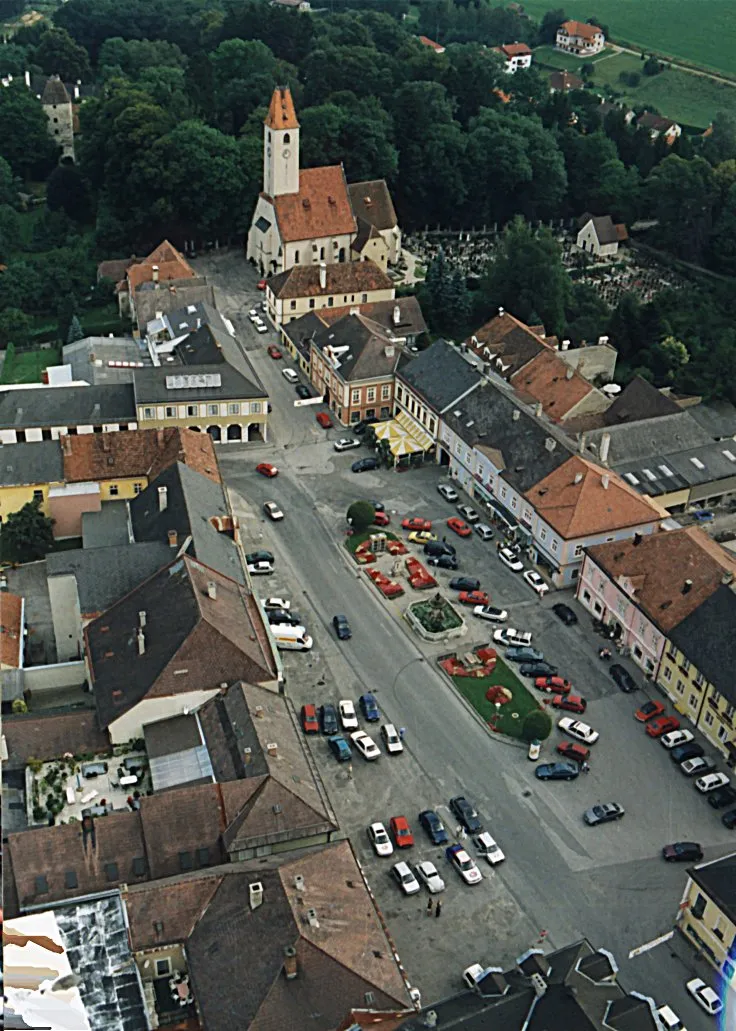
<point x="564" y="613"/>
<point x="310" y="723"/>
<point x="464" y="865"/>
<point x="261" y="284"/>
<point x="459" y="527"/>
<point x="722" y="797"/>
<point x="604" y="813"/>
<point x="683" y="852"/>
<point x="428" y="874"/>
<point x="523" y="655"/>
<point x="365" y="745"/>
<point x="488" y="847"/>
<point x="342" y="627"/>
<point x="328" y="719"/>
<point x="510" y="636"/>
<point x="379" y="839"/>
<point x="535" y="581"/>
<point x="415" y="523"/>
<point x="537" y="669"/>
<point x="466" y="814"/>
<point x="511" y="559"/>
<point x="391" y="739"/>
<point x="282" y="604"/>
<point x="421" y="536"/>
<point x="378" y="506"/>
<point x="324" y="420"/>
<point x="260" y="327"/>
<point x="572" y="750"/>
<point x="557" y="771"/>
<point x="381" y="519"/>
<point x="273" y="352"/>
<point x="260" y="568"/>
<point x="348" y="717"/>
<point x="490" y="614"/>
<point x="435" y="548"/>
<point x="705" y="997"/>
<point x="479" y="598"/>
<point x="279" y="617"/>
<point x="729" y="819"/>
<point x="364" y="465"/>
<point x="448" y="493"/>
<point x="303" y="392"/>
<point x="468" y="514"/>
<point x="569" y="702"/>
<point x="266" y="469"/>
<point x="273" y="511"/>
<point x="259" y="556"/>
<point x="675" y="738"/>
<point x="710" y="782"/>
<point x="662" y="725"/>
<point x="464" y="583"/>
<point x="444" y="562"/>
<point x="405" y="878"/>
<point x="648" y="711"/>
<point x="340" y="748"/>
<point x="434" y="827"/>
<point x="556" y="684"/>
<point x="698" y="766"/>
<point x="578" y="730"/>
<point x="290" y="375"/>
<point x="623" y="678"/>
<point x="703" y="515"/>
<point x="401" y="831"/>
<point x="362" y="426"/>
<point x="369" y="705"/>
<point x="484" y="531"/>
<point x="346" y="444"/>
<point x="682" y="753"/>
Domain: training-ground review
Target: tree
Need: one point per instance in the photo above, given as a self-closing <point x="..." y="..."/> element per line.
<point x="682" y="194"/>
<point x="8" y="184"/>
<point x="75" y="330"/>
<point x="66" y="191"/>
<point x="27" y="535"/>
<point x="537" y="725"/>
<point x="10" y="232"/>
<point x="15" y="327"/>
<point x="723" y="241"/>
<point x="361" y="515"/>
<point x="13" y="59"/>
<point x="24" y="132"/>
<point x="667" y="358"/>
<point x="58" y="54"/>
<point x="551" y="22"/>
<point x="720" y="144"/>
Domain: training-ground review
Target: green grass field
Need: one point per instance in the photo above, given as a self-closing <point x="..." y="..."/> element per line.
<point x="700" y="32"/>
<point x="27" y="366"/>
<point x="511" y="716"/>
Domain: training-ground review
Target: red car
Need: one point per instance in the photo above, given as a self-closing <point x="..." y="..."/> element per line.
<point x="401" y="832"/>
<point x="415" y="523"/>
<point x="310" y="723"/>
<point x="461" y="529"/>
<point x="572" y="750"/>
<point x="569" y="702"/>
<point x="662" y="725"/>
<point x="274" y="352"/>
<point x="381" y="519"/>
<point x="324" y="420"/>
<point x="266" y="469"/>
<point x="474" y="598"/>
<point x="648" y="711"/>
<point x="261" y="284"/>
<point x="556" y="684"/>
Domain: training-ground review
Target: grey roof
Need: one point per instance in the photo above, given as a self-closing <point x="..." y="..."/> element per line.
<point x="46" y="407"/>
<point x="212" y="345"/>
<point x="187" y="318"/>
<point x="366" y="341"/>
<point x="706" y="637"/>
<point x="639" y="400"/>
<point x="55" y="92"/>
<point x="170" y="296"/>
<point x="371" y="201"/>
<point x="440" y="375"/>
<point x="108" y="527"/>
<point x="531" y="450"/>
<point x="89" y="359"/>
<point x="31" y="463"/>
<point x="709" y="464"/>
<point x="225" y="383"/>
<point x="300" y="332"/>
<point x="192" y="501"/>
<point x="605" y="230"/>
<point x="718" y="879"/>
<point x="177" y="753"/>
<point x="716" y="417"/>
<point x="104" y="575"/>
<point x="647" y="439"/>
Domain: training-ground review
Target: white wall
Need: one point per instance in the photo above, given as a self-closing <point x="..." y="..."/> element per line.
<point x="66" y="616"/>
<point x="48" y="678"/>
<point x="131" y="724"/>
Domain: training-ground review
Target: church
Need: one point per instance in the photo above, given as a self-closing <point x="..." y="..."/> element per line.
<point x="312" y="216"/>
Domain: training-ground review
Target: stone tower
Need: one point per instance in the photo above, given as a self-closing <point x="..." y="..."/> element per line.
<point x="281" y="146"/>
<point x="57" y="104"/>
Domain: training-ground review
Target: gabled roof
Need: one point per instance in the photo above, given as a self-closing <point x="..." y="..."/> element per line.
<point x="707" y="638"/>
<point x="166" y="385"/>
<point x="371" y="202"/>
<point x="508" y="340"/>
<point x="718" y="880"/>
<point x="366" y="233"/>
<point x="171" y="265"/>
<point x="605" y="230"/>
<point x="190" y="640"/>
<point x="640" y="400"/>
<point x="427" y="42"/>
<point x="580" y="499"/>
<point x="647" y="438"/>
<point x="440" y="375"/>
<point x="29" y="464"/>
<point x="401" y="316"/>
<point x="66" y="406"/>
<point x="211" y="345"/>
<point x="348" y="277"/>
<point x="514" y="50"/>
<point x="104" y="360"/>
<point x="371" y="352"/>
<point x="281" y="111"/>
<point x="565" y="81"/>
<point x="102" y="456"/>
<point x="320" y="208"/>
<point x="657" y="123"/>
<point x="717" y="418"/>
<point x="549" y="380"/>
<point x="580" y="28"/>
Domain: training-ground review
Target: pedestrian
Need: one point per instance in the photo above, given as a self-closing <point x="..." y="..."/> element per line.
<point x="438" y="908"/>
<point x="444" y="540"/>
<point x="402" y="733"/>
<point x="586" y="767"/>
<point x="429" y="907"/>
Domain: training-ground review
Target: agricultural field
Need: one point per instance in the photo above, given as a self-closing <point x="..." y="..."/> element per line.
<point x="699" y="32"/>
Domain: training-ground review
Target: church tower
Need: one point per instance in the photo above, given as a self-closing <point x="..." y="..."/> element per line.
<point x="281" y="146"/>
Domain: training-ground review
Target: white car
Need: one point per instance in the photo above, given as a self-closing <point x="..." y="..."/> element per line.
<point x="464" y="865"/>
<point x="378" y="837"/>
<point x="692" y="767"/>
<point x="448" y="493"/>
<point x="468" y="514"/>
<point x="260" y="568"/>
<point x="669" y="1019"/>
<point x="711" y="781"/>
<point x="346" y="444"/>
<point x="273" y="511"/>
<point x="347" y="714"/>
<point x="427" y="874"/>
<point x="489" y="848"/>
<point x="391" y="739"/>
<point x="260" y="328"/>
<point x="365" y="745"/>
<point x="405" y="878"/>
<point x="579" y="730"/>
<point x="704" y="996"/>
<point x="676" y="737"/>
<point x="484" y="531"/>
<point x="277" y="603"/>
<point x="510" y="559"/>
<point x="536" y="582"/>
<point x="490" y="614"/>
<point x="253" y="315"/>
<point x="513" y="638"/>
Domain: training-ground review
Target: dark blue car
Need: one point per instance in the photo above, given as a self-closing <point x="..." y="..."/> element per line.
<point x="433" y="826"/>
<point x="369" y="705"/>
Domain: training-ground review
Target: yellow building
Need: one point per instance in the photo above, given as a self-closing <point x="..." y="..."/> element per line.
<point x="707" y="916"/>
<point x="27" y="472"/>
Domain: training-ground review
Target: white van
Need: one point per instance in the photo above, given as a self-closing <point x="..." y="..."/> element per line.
<point x="669" y="1019"/>
<point x="291" y="638"/>
<point x="290" y="375"/>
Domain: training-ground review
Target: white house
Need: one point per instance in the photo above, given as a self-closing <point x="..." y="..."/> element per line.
<point x="578" y="37"/>
<point x="599" y="235"/>
<point x="516" y="55"/>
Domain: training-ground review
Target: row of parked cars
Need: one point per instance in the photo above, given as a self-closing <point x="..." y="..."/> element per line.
<point x="330" y="720"/>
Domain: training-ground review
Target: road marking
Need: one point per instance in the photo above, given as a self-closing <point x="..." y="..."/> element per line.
<point x="651" y="944"/>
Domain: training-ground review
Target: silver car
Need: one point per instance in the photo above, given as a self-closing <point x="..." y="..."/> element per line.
<point x="448" y="493"/>
<point x="428" y="875"/>
<point x="484" y="531"/>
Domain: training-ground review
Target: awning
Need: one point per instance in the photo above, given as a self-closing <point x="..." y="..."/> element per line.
<point x="403" y="436"/>
<point x="425" y="441"/>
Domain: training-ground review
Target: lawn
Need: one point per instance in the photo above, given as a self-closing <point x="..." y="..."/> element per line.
<point x="27" y="366"/>
<point x="352" y="542"/>
<point x="551" y="57"/>
<point x="511" y="716"/>
<point x="699" y="32"/>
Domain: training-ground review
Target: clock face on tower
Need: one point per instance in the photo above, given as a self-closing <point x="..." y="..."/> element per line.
<point x="286" y="152"/>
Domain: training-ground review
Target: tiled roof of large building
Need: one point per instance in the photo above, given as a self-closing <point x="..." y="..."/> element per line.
<point x="669" y="574"/>
<point x="320" y="208"/>
<point x="370" y="353"/>
<point x="507" y="343"/>
<point x="102" y="456"/>
<point x="579" y="28"/>
<point x="401" y="316"/>
<point x="555" y="385"/>
<point x="440" y="375"/>
<point x="579" y="499"/>
<point x="26" y="464"/>
<point x="152" y="299"/>
<point x="371" y="201"/>
<point x="171" y="265"/>
<point x="350" y="277"/>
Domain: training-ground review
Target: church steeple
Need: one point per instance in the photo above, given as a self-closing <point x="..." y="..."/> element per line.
<point x="281" y="145"/>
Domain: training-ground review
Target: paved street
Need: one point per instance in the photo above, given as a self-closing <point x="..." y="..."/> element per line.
<point x="608" y="883"/>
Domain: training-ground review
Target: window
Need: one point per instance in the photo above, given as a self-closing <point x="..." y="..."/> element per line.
<point x="149" y="413"/>
<point x="699" y="680"/>
<point x="321" y="254"/>
<point x="722" y="734"/>
<point x="364" y="298"/>
<point x="233" y="409"/>
<point x="698" y="907"/>
<point x="355" y="416"/>
<point x="667" y="674"/>
<point x="330" y="302"/>
<point x="555" y="544"/>
<point x="311" y="302"/>
<point x="729" y="712"/>
<point x="709" y="719"/>
<point x="193" y="411"/>
<point x="385" y="412"/>
<point x="370" y="413"/>
<point x="163" y="967"/>
<point x="213" y="409"/>
<point x="514" y="502"/>
<point x="400" y="393"/>
<point x="38" y="495"/>
<point x="597" y="608"/>
<point x="296" y="257"/>
<point x="137" y="488"/>
<point x="680" y="687"/>
<point x="685" y="665"/>
<point x="255" y="408"/>
<point x="170" y="411"/>
<point x="370" y="394"/>
<point x="578" y="551"/>
<point x="292" y="305"/>
<point x="431" y="425"/>
<point x="504" y="492"/>
<point x="385" y="391"/>
<point x="637" y="651"/>
<point x="693" y="701"/>
<point x="355" y="397"/>
<point x="114" y="490"/>
<point x="543" y="534"/>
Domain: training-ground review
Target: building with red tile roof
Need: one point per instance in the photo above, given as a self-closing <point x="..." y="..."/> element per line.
<point x="562" y="392"/>
<point x="516" y="55"/>
<point x="581" y="38"/>
<point x="427" y="42"/>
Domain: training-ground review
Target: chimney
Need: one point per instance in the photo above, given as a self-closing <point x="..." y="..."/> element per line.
<point x="142" y="618"/>
<point x="163" y="499"/>
<point x="538" y="409"/>
<point x="605" y="447"/>
<point x="397" y="315"/>
<point x="27" y="78"/>
<point x="66" y="443"/>
<point x="312" y="918"/>
<point x="569" y="373"/>
<point x="539" y="985"/>
<point x="501" y="312"/>
<point x="154" y="273"/>
<point x="605" y="480"/>
<point x="273" y="749"/>
<point x="255" y="892"/>
<point x="322" y="276"/>
<point x="687" y="587"/>
<point x="159" y="314"/>
<point x="141" y="643"/>
<point x="173" y="538"/>
<point x="299" y="882"/>
<point x="565" y="345"/>
<point x="516" y="415"/>
<point x="290" y="965"/>
<point x="578" y="477"/>
<point x="389" y="350"/>
<point x="76" y="92"/>
<point x="212" y="590"/>
<point x="637" y="539"/>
